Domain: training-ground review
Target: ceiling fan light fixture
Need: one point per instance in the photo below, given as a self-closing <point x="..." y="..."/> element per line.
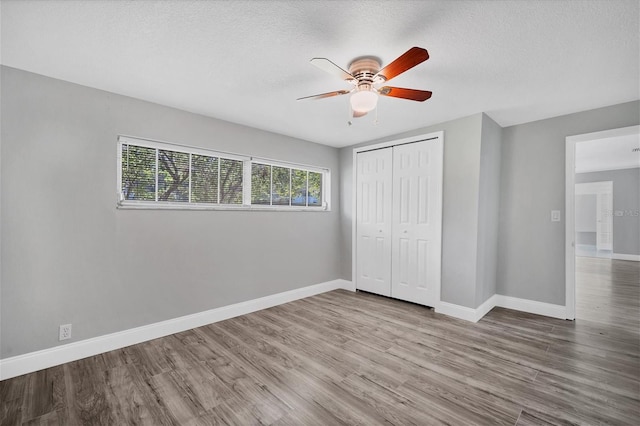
<point x="364" y="100"/>
<point x="365" y="74"/>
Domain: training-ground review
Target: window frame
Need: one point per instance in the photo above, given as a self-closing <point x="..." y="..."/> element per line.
<point x="292" y="166"/>
<point x="246" y="180"/>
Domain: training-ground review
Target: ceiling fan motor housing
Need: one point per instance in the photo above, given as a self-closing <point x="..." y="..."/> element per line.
<point x="364" y="71"/>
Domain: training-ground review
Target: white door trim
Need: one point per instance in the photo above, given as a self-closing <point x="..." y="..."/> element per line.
<point x="570" y="182"/>
<point x="435" y="135"/>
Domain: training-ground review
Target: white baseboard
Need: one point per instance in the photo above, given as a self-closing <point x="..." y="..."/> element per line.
<point x="487" y="306"/>
<point x="349" y="285"/>
<point x="531" y="306"/>
<point x="465" y="313"/>
<point x="620" y="256"/>
<point x="34" y="361"/>
<point x="517" y="304"/>
<point x="457" y="311"/>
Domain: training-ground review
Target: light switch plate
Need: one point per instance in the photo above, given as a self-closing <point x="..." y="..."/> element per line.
<point x="555" y="215"/>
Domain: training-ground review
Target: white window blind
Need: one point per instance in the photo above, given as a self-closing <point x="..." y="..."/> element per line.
<point x="231" y="181"/>
<point x="159" y="173"/>
<point x="138" y="173"/>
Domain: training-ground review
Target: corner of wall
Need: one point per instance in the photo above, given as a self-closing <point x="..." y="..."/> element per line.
<point x="488" y="210"/>
<point x="345" y="162"/>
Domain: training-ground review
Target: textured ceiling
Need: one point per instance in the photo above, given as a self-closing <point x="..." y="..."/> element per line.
<point x="247" y="61"/>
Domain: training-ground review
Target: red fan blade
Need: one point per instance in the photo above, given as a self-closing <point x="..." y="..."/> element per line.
<point x="411" y="94"/>
<point x="326" y="95"/>
<point x="328" y="66"/>
<point x="408" y="60"/>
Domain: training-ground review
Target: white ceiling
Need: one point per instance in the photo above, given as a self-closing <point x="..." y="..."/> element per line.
<point x="247" y="61"/>
<point x="608" y="154"/>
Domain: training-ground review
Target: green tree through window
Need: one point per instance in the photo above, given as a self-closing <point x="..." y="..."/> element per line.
<point x="281" y="193"/>
<point x="204" y="179"/>
<point x="230" y="181"/>
<point x="284" y="186"/>
<point x="173" y="176"/>
<point x="260" y="184"/>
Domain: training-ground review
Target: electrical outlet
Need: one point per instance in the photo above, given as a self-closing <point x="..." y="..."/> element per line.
<point x="65" y="332"/>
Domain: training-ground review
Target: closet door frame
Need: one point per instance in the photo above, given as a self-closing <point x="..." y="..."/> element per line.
<point x="354" y="187"/>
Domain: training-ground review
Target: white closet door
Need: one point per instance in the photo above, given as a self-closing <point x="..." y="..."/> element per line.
<point x="373" y="222"/>
<point x="417" y="221"/>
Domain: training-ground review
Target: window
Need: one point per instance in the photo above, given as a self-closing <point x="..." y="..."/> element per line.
<point x="285" y="186"/>
<point x="171" y="176"/>
<point x="160" y="175"/>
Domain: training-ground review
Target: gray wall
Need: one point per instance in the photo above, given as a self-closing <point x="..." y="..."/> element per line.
<point x="626" y="198"/>
<point x="69" y="256"/>
<point x="488" y="210"/>
<point x="460" y="206"/>
<point x="531" y="247"/>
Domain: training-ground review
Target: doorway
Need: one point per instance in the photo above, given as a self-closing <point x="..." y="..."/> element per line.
<point x="593" y="158"/>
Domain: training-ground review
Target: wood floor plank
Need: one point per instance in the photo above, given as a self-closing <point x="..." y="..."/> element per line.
<point x="52" y="418"/>
<point x="345" y="358"/>
<point x="158" y="409"/>
<point x="308" y="417"/>
<point x="595" y="395"/>
<point x="10" y="411"/>
<point x="343" y="405"/>
<point x="234" y="411"/>
<point x="44" y="393"/>
<point x="125" y="398"/>
<point x="179" y="399"/>
<point x="528" y="419"/>
<point x="334" y="359"/>
<point x="454" y="406"/>
<point x="90" y="392"/>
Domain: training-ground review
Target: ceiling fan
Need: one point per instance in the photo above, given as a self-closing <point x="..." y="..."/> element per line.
<point x="365" y="74"/>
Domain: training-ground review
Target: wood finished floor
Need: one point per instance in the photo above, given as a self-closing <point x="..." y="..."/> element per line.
<point x="355" y="358"/>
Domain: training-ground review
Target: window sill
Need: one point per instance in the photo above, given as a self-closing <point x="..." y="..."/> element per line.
<point x="185" y="206"/>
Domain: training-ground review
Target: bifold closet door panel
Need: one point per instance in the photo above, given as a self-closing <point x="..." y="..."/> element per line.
<point x="373" y="221"/>
<point x="417" y="221"/>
